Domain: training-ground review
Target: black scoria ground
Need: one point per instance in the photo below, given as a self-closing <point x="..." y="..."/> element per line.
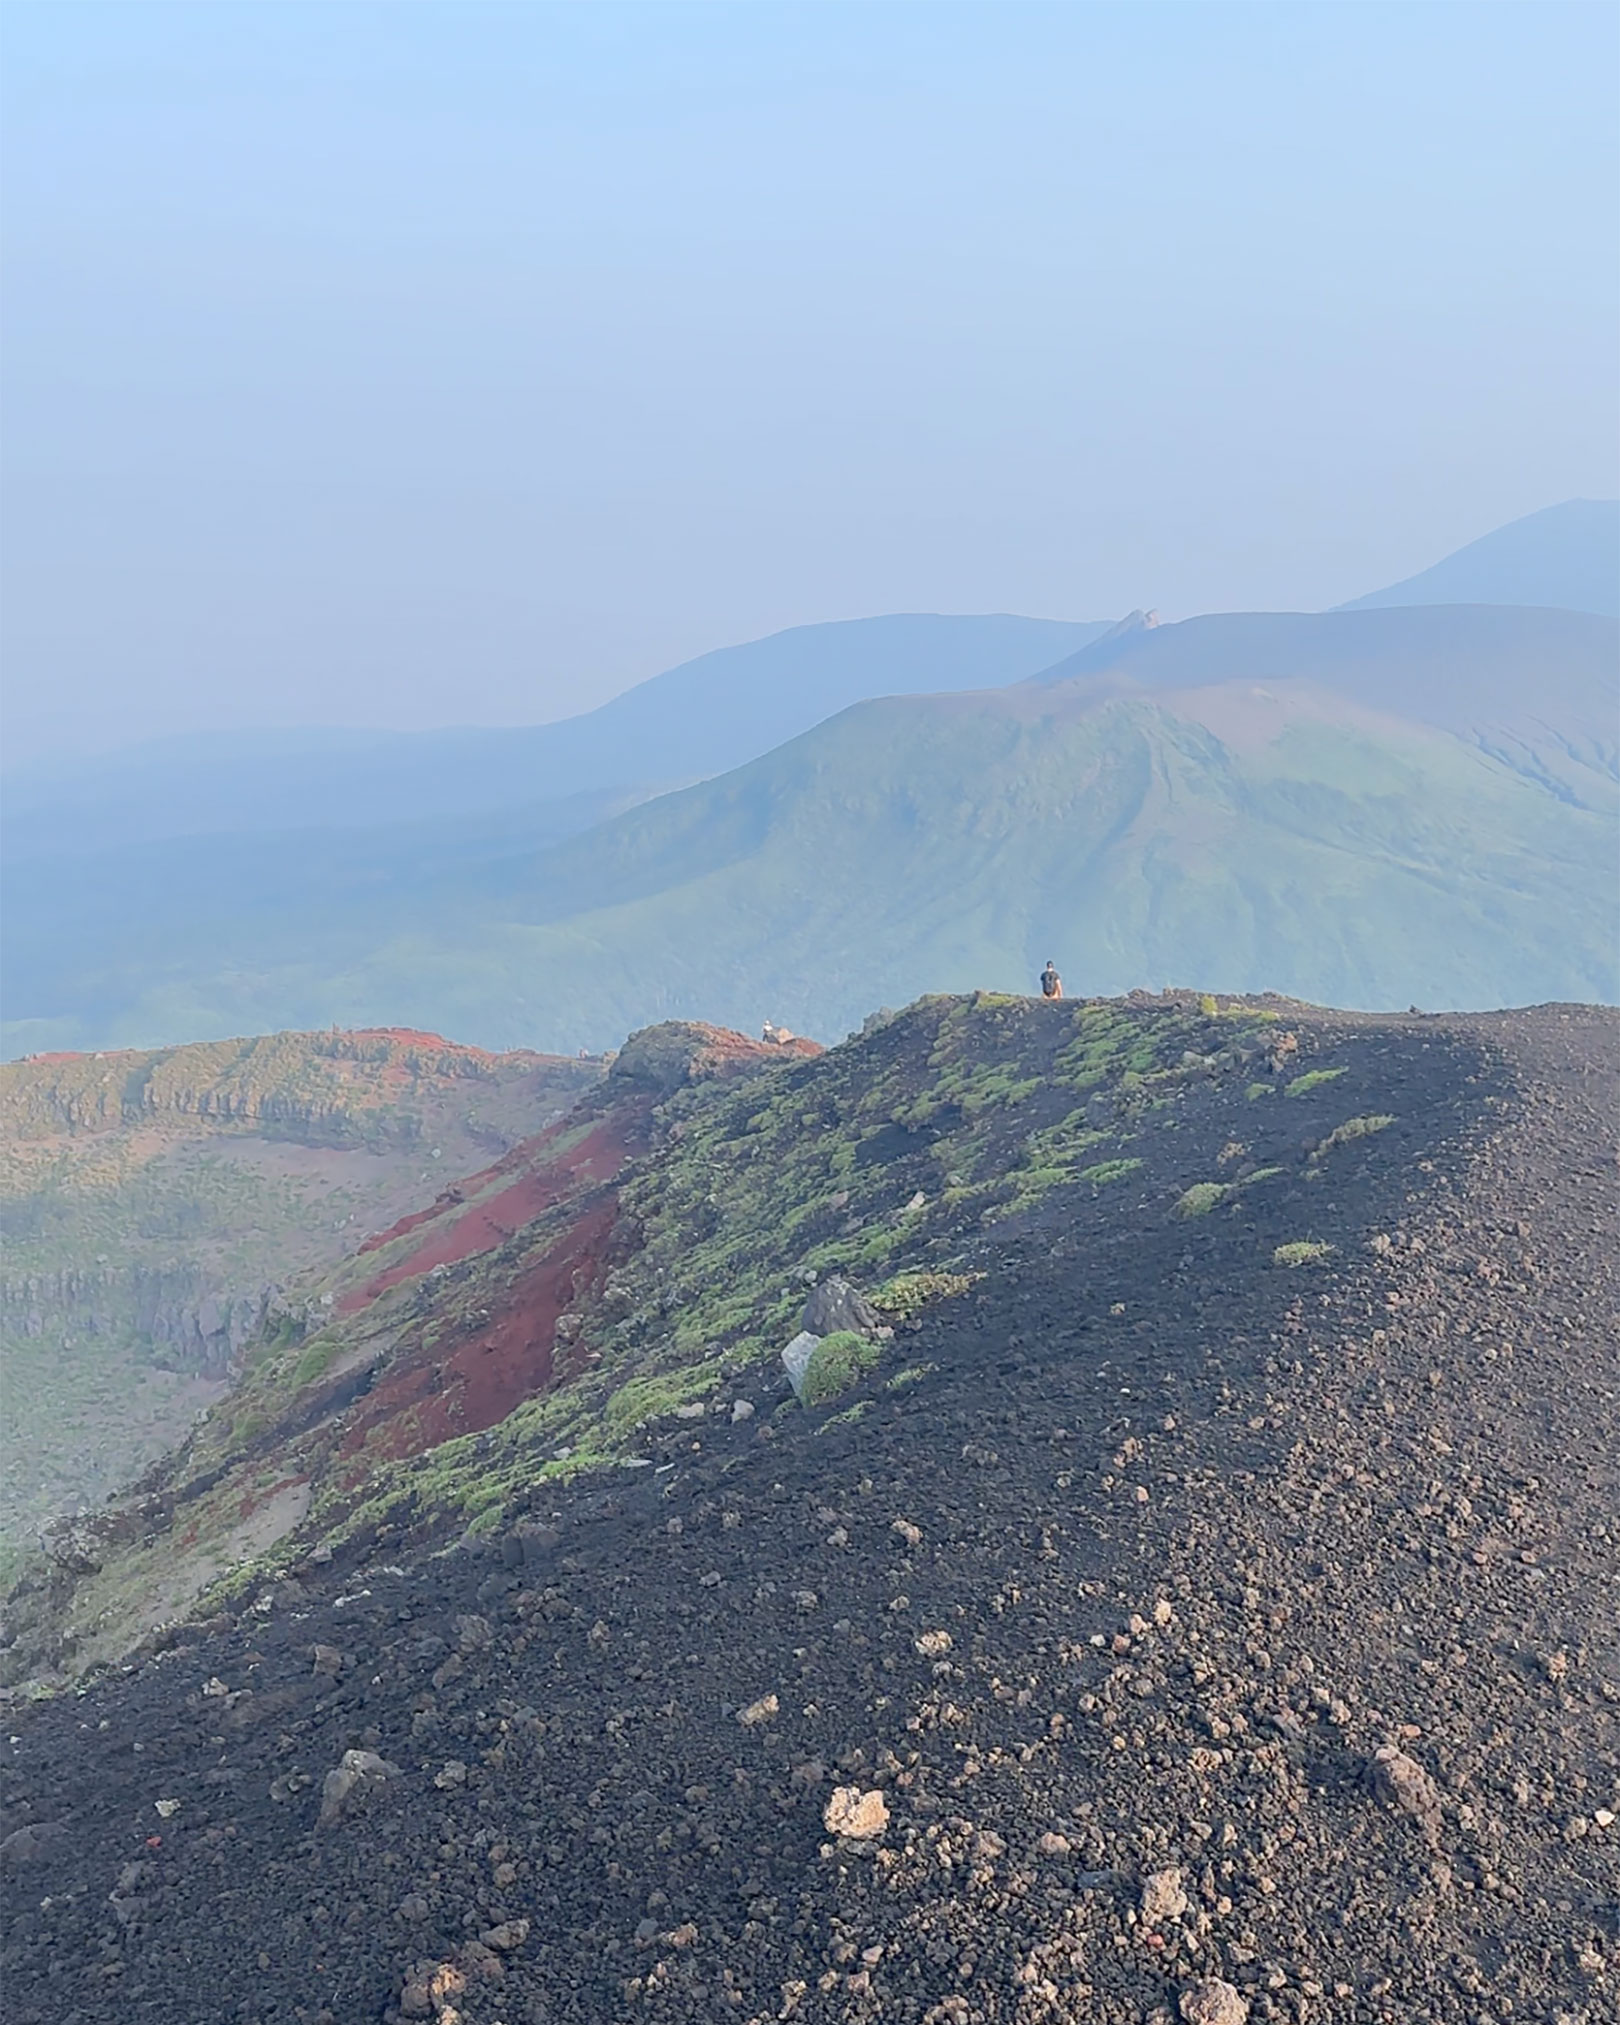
<point x="1137" y="1579"/>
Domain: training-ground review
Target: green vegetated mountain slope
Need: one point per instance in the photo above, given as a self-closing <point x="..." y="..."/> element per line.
<point x="155" y="1206"/>
<point x="1187" y="1592"/>
<point x="1566" y="555"/>
<point x="1424" y="813"/>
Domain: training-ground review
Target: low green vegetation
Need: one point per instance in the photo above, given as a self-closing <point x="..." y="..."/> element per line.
<point x="1202" y="1197"/>
<point x="1313" y="1079"/>
<point x="907" y="1294"/>
<point x="1106" y="1171"/>
<point x="316" y="1360"/>
<point x="1351" y="1130"/>
<point x="849" y="1415"/>
<point x="1302" y="1252"/>
<point x="643" y="1399"/>
<point x="836" y="1363"/>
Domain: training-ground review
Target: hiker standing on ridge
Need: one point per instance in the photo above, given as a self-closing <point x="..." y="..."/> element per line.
<point x="1051" y="983"/>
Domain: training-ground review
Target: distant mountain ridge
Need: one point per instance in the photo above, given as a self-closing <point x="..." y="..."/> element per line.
<point x="540" y="781"/>
<point x="523" y="887"/>
<point x="1566" y="556"/>
<point x="1424" y="811"/>
<point x="1535" y="687"/>
<point x="364" y="1087"/>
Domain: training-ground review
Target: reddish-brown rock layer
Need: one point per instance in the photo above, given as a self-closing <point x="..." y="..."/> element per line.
<point x="426" y="1396"/>
<point x="429" y="1398"/>
<point x="466" y="1219"/>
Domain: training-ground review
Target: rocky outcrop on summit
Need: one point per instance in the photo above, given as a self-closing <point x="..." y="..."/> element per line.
<point x="670" y="1057"/>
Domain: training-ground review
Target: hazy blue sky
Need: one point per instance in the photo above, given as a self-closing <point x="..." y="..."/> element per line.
<point x="416" y="364"/>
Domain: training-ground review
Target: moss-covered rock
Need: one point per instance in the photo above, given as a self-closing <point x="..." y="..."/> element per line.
<point x="837" y="1362"/>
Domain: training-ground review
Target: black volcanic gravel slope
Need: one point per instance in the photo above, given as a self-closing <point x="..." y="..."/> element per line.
<point x="1163" y="1547"/>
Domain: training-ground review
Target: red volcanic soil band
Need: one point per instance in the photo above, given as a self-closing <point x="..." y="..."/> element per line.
<point x="461" y="1228"/>
<point x="424" y="1401"/>
<point x="428" y="1398"/>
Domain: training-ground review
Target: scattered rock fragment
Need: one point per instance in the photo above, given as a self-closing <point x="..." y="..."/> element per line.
<point x="326" y="1660"/>
<point x="854" y="1815"/>
<point x="1402" y="1783"/>
<point x="445" y="1982"/>
<point x="834" y="1306"/>
<point x="933" y="1644"/>
<point x="796" y="1359"/>
<point x="353" y="1784"/>
<point x="1162" y="1896"/>
<point x="758" y="1712"/>
<point x="1213" y="2002"/>
<point x="478" y="1960"/>
<point x="508" y="1935"/>
<point x="77" y="1544"/>
<point x="905" y="1530"/>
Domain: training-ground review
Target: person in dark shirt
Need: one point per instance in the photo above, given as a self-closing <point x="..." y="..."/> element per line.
<point x="1051" y="983"/>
